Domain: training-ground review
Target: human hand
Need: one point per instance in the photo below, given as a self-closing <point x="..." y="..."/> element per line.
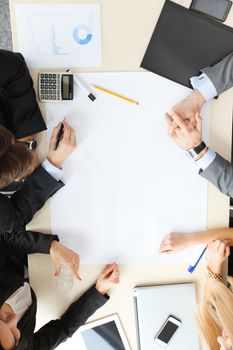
<point x="174" y="242"/>
<point x="191" y="105"/>
<point x="107" y="278"/>
<point x="183" y="135"/>
<point x="224" y="341"/>
<point x="66" y="145"/>
<point x="62" y="255"/>
<point x="216" y="253"/>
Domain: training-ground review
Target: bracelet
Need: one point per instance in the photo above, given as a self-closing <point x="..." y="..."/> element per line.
<point x="211" y="274"/>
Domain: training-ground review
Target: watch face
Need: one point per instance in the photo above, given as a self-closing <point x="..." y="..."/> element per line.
<point x="32" y="144"/>
<point x="191" y="153"/>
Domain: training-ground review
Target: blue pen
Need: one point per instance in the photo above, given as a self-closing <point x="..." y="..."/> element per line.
<point x="191" y="268"/>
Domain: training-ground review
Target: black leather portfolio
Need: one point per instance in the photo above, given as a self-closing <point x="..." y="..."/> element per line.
<point x="184" y="42"/>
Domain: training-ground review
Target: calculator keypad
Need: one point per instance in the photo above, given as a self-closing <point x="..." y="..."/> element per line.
<point x="50" y="87"/>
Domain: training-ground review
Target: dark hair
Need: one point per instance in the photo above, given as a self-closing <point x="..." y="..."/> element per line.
<point x="16" y="161"/>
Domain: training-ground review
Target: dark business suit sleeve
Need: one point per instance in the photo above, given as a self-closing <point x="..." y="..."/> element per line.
<point x="19" y="110"/>
<point x="27" y="242"/>
<point x="220" y="174"/>
<point x="35" y="191"/>
<point x="57" y="331"/>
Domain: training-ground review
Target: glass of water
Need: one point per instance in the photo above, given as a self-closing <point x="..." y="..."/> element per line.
<point x="64" y="280"/>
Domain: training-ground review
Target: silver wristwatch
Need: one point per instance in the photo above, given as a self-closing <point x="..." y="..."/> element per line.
<point x="31" y="144"/>
<point x="193" y="152"/>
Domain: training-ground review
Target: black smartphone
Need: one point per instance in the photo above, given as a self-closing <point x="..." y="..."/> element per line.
<point x="216" y="9"/>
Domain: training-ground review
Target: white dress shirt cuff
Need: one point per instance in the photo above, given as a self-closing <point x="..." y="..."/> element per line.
<point x="55" y="172"/>
<point x="206" y="160"/>
<point x="203" y="84"/>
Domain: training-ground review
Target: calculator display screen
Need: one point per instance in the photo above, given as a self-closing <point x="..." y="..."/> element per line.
<point x="65" y="87"/>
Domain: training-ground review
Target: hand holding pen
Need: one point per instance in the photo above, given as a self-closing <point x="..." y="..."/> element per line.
<point x="62" y="144"/>
<point x="216" y="253"/>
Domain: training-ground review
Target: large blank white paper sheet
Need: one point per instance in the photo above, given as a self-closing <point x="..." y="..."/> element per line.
<point x="127" y="184"/>
<point x="59" y="35"/>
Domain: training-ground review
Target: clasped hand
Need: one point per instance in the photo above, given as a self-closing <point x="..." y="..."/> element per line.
<point x="185" y="133"/>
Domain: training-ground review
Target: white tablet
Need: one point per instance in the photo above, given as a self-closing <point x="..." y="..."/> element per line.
<point x="104" y="334"/>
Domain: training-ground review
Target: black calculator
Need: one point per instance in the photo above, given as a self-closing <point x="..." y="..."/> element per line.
<point x="56" y="87"/>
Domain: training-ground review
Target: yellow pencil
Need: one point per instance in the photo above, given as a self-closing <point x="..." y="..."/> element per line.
<point x="115" y="94"/>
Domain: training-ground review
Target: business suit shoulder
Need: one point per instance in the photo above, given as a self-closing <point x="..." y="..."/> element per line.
<point x="19" y="112"/>
<point x="220" y="174"/>
<point x="12" y="65"/>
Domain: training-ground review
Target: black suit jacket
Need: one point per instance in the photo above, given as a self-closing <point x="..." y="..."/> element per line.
<point x="16" y="212"/>
<point x="13" y="250"/>
<point x="19" y="110"/>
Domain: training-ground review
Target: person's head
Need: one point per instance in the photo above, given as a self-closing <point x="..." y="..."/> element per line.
<point x="9" y="333"/>
<point x="16" y="161"/>
<point x="215" y="318"/>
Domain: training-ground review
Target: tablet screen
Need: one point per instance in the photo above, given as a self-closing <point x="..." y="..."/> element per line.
<point x="104" y="336"/>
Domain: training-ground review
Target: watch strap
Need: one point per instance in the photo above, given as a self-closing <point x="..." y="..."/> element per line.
<point x="193" y="152"/>
<point x="199" y="148"/>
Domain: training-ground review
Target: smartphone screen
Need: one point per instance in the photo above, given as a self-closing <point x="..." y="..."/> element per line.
<point x="167" y="332"/>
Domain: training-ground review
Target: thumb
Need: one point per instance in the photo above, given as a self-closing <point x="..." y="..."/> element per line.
<point x="198" y="121"/>
<point x="108" y="270"/>
<point x="57" y="270"/>
<point x="227" y="241"/>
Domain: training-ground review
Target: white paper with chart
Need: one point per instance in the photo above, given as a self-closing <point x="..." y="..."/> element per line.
<point x="59" y="36"/>
<point x="127" y="183"/>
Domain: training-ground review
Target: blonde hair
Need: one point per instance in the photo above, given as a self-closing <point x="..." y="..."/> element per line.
<point x="216" y="313"/>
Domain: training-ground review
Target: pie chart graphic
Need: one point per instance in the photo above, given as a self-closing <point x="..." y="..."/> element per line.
<point x="82" y="34"/>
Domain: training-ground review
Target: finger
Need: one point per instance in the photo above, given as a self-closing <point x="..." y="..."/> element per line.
<point x="114" y="275"/>
<point x="172" y="128"/>
<point x="227" y="242"/>
<point x="170" y="132"/>
<point x="76" y="275"/>
<point x="73" y="138"/>
<point x="192" y="121"/>
<point x="221" y="249"/>
<point x="228" y="251"/>
<point x="57" y="269"/>
<point x="221" y="342"/>
<point x="180" y="122"/>
<point x="66" y="132"/>
<point x="74" y="269"/>
<point x="108" y="270"/>
<point x="217" y="242"/>
<point x="166" y="247"/>
<point x="57" y="128"/>
<point x="198" y="122"/>
<point x="168" y="119"/>
<point x="167" y="252"/>
<point x="53" y="138"/>
<point x="66" y="124"/>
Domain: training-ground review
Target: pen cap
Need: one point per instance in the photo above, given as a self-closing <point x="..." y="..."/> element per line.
<point x="92" y="97"/>
<point x="191" y="268"/>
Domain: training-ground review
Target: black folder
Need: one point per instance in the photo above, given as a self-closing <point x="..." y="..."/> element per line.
<point x="184" y="42"/>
